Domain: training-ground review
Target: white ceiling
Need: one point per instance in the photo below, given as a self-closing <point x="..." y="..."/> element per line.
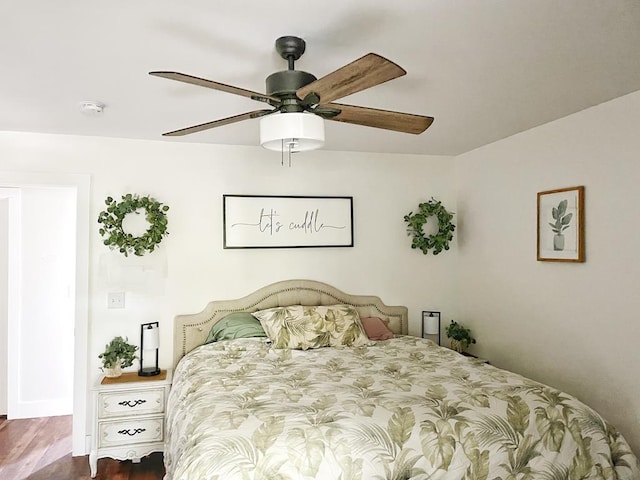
<point x="484" y="69"/>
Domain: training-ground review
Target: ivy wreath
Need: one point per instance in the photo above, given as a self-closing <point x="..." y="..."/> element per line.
<point x="415" y="227"/>
<point x="114" y="235"/>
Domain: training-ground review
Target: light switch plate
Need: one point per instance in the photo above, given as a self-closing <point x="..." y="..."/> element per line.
<point x="115" y="300"/>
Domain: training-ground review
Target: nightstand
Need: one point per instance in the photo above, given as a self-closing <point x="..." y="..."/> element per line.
<point x="128" y="417"/>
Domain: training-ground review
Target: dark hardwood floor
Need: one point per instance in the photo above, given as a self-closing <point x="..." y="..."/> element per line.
<point x="40" y="449"/>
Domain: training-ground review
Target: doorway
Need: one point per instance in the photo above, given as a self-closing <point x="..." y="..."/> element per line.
<point x="51" y="313"/>
<point x="41" y="256"/>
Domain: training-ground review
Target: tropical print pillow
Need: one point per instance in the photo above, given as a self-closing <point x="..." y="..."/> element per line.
<point x="343" y="322"/>
<point x="303" y="327"/>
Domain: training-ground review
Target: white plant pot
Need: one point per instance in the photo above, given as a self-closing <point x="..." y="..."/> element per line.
<point x="113" y="372"/>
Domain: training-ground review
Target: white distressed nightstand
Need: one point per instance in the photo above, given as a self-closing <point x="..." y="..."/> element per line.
<point x="128" y="417"/>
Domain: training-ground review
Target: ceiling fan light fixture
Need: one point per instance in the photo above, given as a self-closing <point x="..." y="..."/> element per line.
<point x="291" y="132"/>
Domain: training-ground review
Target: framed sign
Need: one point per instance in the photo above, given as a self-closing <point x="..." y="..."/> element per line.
<point x="561" y="225"/>
<point x="265" y="221"/>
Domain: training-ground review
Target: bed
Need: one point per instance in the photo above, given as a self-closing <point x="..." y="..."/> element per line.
<point x="341" y="406"/>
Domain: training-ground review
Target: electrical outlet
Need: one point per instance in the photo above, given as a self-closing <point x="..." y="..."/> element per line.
<point x="115" y="300"/>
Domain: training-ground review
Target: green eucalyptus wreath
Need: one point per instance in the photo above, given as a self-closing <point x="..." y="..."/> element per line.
<point x="416" y="221"/>
<point x="113" y="233"/>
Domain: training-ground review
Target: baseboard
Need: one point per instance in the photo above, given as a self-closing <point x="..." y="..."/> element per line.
<point x="42" y="408"/>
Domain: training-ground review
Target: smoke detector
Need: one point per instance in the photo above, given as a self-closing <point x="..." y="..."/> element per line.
<point x="92" y="109"/>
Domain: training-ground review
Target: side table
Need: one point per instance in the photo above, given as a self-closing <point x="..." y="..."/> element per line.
<point x="128" y="417"/>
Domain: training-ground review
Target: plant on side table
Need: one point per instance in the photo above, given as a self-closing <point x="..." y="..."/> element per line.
<point x="118" y="354"/>
<point x="460" y="336"/>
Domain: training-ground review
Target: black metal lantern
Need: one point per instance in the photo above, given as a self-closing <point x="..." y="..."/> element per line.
<point x="149" y="341"/>
<point x="431" y="324"/>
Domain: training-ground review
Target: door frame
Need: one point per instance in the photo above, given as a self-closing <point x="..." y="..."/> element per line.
<point x="82" y="185"/>
<point x="11" y="289"/>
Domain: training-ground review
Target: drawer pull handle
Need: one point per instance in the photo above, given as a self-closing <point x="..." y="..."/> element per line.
<point x="132" y="433"/>
<point x="132" y="404"/>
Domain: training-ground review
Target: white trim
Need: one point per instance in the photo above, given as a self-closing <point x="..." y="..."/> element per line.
<point x="80" y="394"/>
<point x="4" y="299"/>
<point x="14" y="311"/>
<point x="13" y="294"/>
<point x="82" y="185"/>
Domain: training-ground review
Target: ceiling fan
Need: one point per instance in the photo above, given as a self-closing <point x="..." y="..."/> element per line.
<point x="295" y="91"/>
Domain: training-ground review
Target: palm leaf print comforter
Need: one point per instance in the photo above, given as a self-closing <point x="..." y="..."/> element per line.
<point x="403" y="408"/>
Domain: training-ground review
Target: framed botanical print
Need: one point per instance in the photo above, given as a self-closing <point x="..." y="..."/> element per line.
<point x="561" y="225"/>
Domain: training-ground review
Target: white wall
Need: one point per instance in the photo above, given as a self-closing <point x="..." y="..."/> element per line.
<point x="191" y="268"/>
<point x="573" y="326"/>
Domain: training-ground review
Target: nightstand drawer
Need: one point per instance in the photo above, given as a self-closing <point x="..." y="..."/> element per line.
<point x="135" y="402"/>
<point x="129" y="432"/>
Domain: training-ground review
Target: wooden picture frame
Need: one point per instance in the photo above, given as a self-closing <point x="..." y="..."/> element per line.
<point x="561" y="225"/>
<point x="271" y="221"/>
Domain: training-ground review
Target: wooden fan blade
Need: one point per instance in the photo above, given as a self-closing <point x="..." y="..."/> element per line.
<point x="372" y="117"/>
<point x="366" y="72"/>
<point x="218" y="123"/>
<point x="203" y="82"/>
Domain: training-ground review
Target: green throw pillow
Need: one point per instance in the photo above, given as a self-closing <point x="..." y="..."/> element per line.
<point x="236" y="325"/>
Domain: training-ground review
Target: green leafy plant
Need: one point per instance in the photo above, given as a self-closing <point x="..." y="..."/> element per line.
<point x="118" y="351"/>
<point x="114" y="235"/>
<point x="460" y="334"/>
<point x="415" y="227"/>
<point x="561" y="220"/>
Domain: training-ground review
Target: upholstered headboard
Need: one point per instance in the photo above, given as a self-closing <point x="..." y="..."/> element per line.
<point x="190" y="331"/>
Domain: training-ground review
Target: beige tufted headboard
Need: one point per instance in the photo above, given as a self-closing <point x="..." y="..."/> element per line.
<point x="191" y="331"/>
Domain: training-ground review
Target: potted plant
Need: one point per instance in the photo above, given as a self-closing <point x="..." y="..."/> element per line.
<point x="562" y="219"/>
<point x="460" y="336"/>
<point x="118" y="354"/>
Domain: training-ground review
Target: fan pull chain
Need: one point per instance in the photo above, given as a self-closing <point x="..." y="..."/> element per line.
<point x="289" y="145"/>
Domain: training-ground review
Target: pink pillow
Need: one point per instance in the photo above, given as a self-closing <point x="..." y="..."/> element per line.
<point x="376" y="328"/>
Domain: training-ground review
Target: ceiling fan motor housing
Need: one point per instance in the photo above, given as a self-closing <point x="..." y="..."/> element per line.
<point x="286" y="82"/>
